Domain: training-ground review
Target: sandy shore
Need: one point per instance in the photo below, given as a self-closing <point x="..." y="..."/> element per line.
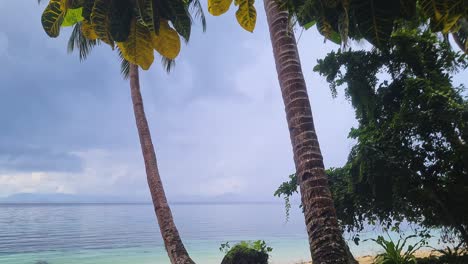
<point x="370" y="259"/>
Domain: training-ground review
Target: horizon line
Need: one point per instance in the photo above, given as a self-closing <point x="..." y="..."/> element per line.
<point x="133" y="203"/>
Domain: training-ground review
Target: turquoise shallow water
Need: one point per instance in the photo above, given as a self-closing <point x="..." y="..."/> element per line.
<point x="128" y="233"/>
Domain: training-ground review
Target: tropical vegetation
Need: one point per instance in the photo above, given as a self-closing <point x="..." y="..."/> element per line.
<point x="410" y="159"/>
<point x="395" y="251"/>
<point x="376" y="20"/>
<point x="246" y="252"/>
<point x="137" y="28"/>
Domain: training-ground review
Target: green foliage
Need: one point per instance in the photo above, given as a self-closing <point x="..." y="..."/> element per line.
<point x="72" y="17"/>
<point x="395" y="253"/>
<point x="375" y="20"/>
<point x="53" y="17"/>
<point x="287" y="189"/>
<point x="450" y="255"/>
<point x="124" y="22"/>
<point x="456" y="254"/>
<point x="246" y="252"/>
<point x="225" y="247"/>
<point x="411" y="156"/>
<point x="258" y="245"/>
<point x="246" y="13"/>
<point x="441" y="260"/>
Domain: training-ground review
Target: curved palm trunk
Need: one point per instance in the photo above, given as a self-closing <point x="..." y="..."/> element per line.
<point x="325" y="236"/>
<point x="174" y="246"/>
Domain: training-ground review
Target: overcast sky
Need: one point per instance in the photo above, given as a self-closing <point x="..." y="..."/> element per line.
<point x="217" y="121"/>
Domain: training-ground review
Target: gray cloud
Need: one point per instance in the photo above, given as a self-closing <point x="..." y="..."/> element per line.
<point x="38" y="159"/>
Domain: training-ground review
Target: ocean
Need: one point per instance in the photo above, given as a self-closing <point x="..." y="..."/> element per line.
<point x="128" y="233"/>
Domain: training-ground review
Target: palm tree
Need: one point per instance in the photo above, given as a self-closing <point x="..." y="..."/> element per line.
<point x="137" y="37"/>
<point x="172" y="241"/>
<point x="325" y="235"/>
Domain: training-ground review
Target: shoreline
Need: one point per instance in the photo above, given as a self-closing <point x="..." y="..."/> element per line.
<point x="369" y="259"/>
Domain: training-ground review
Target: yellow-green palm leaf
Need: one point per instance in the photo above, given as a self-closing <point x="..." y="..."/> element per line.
<point x="218" y="7"/>
<point x="72" y="17"/>
<point x="88" y="30"/>
<point x="138" y="47"/>
<point x="167" y="41"/>
<point x="246" y="14"/>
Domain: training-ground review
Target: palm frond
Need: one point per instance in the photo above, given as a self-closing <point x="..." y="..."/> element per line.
<point x="124" y="65"/>
<point x="80" y="42"/>
<point x="197" y="9"/>
<point x="168" y="64"/>
<point x="461" y="35"/>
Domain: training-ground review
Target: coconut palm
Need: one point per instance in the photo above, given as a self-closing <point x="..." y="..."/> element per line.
<point x="337" y="20"/>
<point x="172" y="241"/>
<point x="138" y="28"/>
<point x="325" y="236"/>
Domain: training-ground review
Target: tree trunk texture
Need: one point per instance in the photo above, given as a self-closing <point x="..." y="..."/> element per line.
<point x="325" y="236"/>
<point x="172" y="241"/>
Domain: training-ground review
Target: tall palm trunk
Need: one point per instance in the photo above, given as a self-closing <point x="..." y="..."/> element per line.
<point x="172" y="241"/>
<point x="325" y="236"/>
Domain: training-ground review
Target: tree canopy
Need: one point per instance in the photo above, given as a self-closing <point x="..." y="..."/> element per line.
<point x="376" y="20"/>
<point x="136" y="27"/>
<point x="411" y="157"/>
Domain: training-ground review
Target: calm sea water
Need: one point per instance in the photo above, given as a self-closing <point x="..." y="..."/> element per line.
<point x="128" y="233"/>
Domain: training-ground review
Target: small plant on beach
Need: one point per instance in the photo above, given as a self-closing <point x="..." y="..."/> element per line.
<point x="456" y="254"/>
<point x="395" y="253"/>
<point x="246" y="252"/>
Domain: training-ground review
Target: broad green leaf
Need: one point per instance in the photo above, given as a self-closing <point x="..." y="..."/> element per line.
<point x="310" y="24"/>
<point x="120" y="19"/>
<point x="376" y="19"/>
<point x="167" y="42"/>
<point x="88" y="30"/>
<point x="52" y="17"/>
<point x="73" y="4"/>
<point x="218" y="7"/>
<point x="101" y="22"/>
<point x="180" y="18"/>
<point x="327" y="31"/>
<point x="138" y="47"/>
<point x="147" y="15"/>
<point x="88" y="9"/>
<point x="72" y="17"/>
<point x="307" y="12"/>
<point x="246" y="14"/>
